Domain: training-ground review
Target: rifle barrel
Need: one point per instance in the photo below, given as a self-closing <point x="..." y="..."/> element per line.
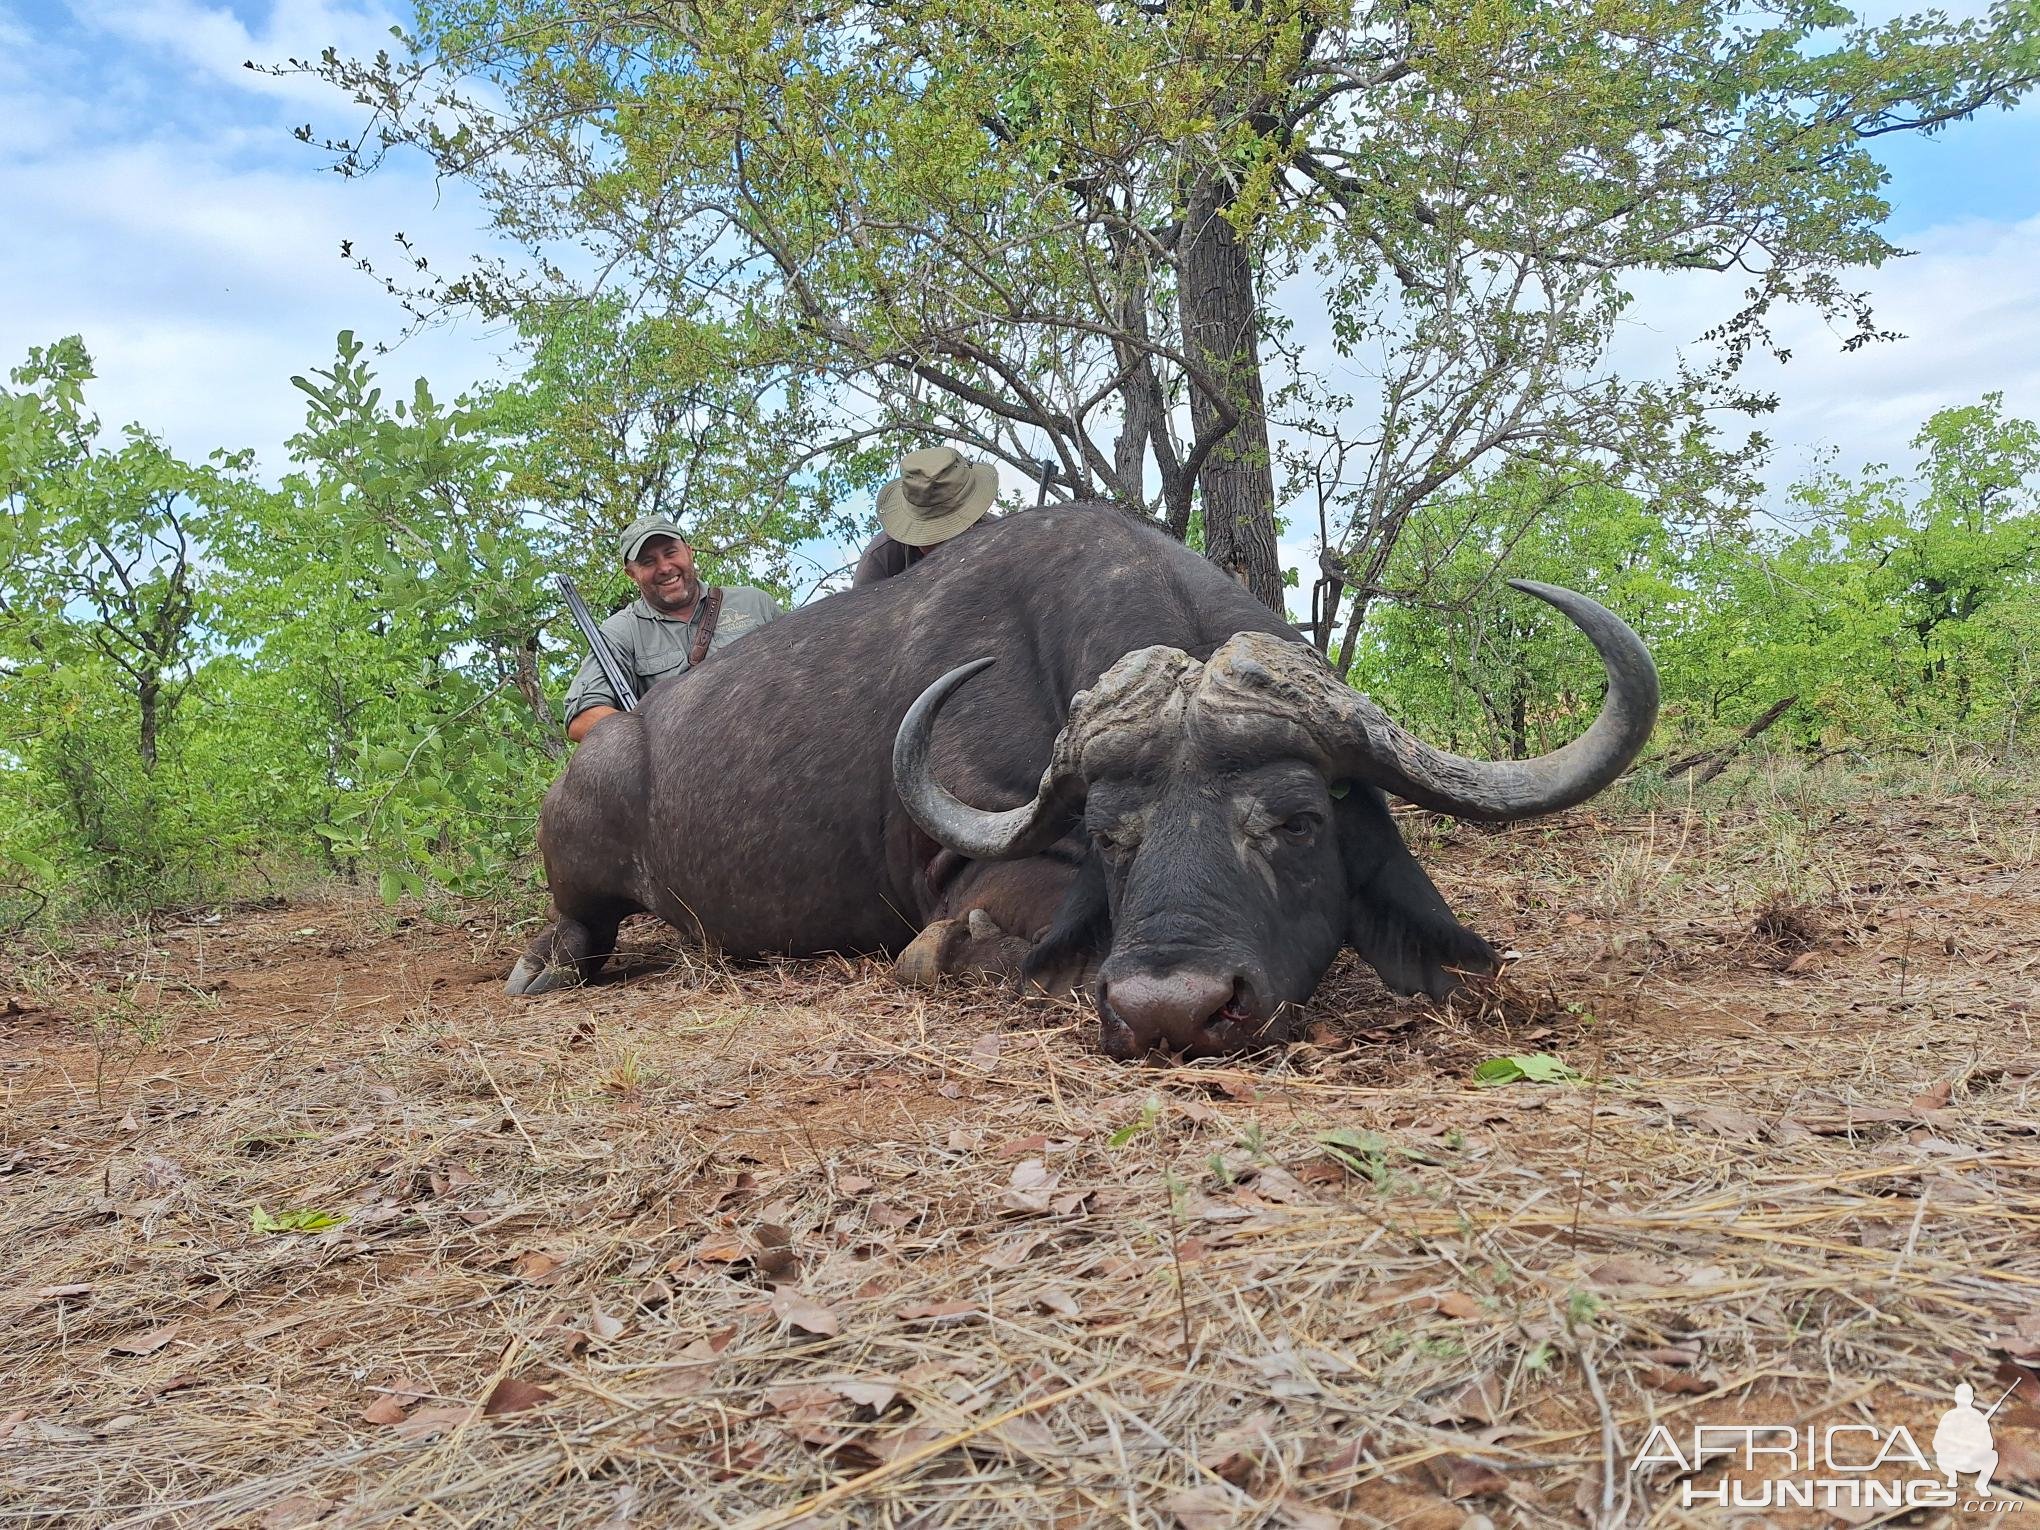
<point x="591" y="634"/>
<point x="2001" y="1401"/>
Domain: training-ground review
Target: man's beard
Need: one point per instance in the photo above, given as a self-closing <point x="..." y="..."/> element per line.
<point x="685" y="595"/>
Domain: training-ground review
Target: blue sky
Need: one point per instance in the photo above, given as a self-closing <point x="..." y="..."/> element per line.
<point x="157" y="205"/>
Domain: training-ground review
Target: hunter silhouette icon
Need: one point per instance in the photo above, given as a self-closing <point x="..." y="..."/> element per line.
<point x="1962" y="1440"/>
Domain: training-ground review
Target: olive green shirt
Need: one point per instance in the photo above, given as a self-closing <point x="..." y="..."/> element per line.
<point x="650" y="646"/>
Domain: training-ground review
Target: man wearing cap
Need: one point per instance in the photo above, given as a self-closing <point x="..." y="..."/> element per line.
<point x="673" y="624"/>
<point x="939" y="493"/>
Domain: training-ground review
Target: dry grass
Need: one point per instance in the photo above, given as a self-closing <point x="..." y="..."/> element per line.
<point x="785" y="1243"/>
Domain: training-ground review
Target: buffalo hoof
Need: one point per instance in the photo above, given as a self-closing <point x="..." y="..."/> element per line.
<point x="528" y="979"/>
<point x="569" y="952"/>
<point x="932" y="956"/>
<point x="974" y="943"/>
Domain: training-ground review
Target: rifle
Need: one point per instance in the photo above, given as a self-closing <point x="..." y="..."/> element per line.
<point x="1049" y="474"/>
<point x="605" y="658"/>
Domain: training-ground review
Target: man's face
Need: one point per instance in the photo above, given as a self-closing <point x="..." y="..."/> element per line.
<point x="663" y="571"/>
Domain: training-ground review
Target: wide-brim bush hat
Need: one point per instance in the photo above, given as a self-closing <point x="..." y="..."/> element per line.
<point x="939" y="492"/>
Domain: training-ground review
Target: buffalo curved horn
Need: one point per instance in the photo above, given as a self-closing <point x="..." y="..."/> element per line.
<point x="1369" y="745"/>
<point x="975" y="832"/>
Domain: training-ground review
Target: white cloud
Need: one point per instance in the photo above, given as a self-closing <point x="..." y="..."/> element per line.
<point x="39" y="116"/>
<point x="200" y="289"/>
<point x="219" y="43"/>
<point x="1968" y="303"/>
<point x="174" y="224"/>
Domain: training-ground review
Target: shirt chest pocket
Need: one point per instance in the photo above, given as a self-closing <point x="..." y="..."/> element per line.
<point x="653" y="667"/>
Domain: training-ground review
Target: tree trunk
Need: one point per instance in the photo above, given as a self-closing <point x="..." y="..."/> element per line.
<point x="524" y="675"/>
<point x="149" y="694"/>
<point x="1144" y="406"/>
<point x="1237" y="477"/>
<point x="1136" y="397"/>
<point x="1380" y="544"/>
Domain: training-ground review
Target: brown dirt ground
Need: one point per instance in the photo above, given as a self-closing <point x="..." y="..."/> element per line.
<point x="758" y="1245"/>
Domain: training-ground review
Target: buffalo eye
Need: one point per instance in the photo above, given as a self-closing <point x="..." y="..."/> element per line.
<point x="1298" y="829"/>
<point x="1113" y="846"/>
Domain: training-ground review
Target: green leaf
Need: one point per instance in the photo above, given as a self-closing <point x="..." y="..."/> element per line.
<point x="390" y="884"/>
<point x="1532" y="1067"/>
<point x="35" y="865"/>
<point x="1135" y="1127"/>
<point x="1359" y="1152"/>
<point x="305" y="1219"/>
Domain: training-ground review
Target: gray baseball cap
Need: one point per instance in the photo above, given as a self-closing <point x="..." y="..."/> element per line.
<point x="642" y="531"/>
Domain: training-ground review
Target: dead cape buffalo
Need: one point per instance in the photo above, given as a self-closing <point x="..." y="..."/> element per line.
<point x="1200" y="821"/>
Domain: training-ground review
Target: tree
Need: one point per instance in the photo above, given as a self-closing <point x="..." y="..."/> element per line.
<point x="1948" y="560"/>
<point x="618" y="417"/>
<point x="390" y="598"/>
<point x="1892" y="606"/>
<point x="355" y="665"/>
<point x="1460" y="655"/>
<point x="106" y="590"/>
<point x="1081" y="227"/>
<point x="103" y="547"/>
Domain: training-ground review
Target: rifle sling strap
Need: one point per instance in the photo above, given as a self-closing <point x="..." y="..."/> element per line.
<point x="711" y="608"/>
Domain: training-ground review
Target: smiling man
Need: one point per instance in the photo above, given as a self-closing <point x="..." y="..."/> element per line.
<point x="672" y="626"/>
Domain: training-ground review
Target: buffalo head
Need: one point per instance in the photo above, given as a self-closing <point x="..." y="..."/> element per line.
<point x="1238" y="833"/>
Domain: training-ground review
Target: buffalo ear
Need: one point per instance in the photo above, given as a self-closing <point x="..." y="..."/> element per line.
<point x="1395" y="917"/>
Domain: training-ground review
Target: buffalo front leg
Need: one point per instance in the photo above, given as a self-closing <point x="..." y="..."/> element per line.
<point x="1012" y="920"/>
<point x="949" y="947"/>
<point x="566" y="952"/>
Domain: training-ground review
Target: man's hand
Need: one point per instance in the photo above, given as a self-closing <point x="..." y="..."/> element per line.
<point x="583" y="721"/>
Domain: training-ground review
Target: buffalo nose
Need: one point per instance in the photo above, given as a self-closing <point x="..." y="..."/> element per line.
<point x="1141" y="1010"/>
